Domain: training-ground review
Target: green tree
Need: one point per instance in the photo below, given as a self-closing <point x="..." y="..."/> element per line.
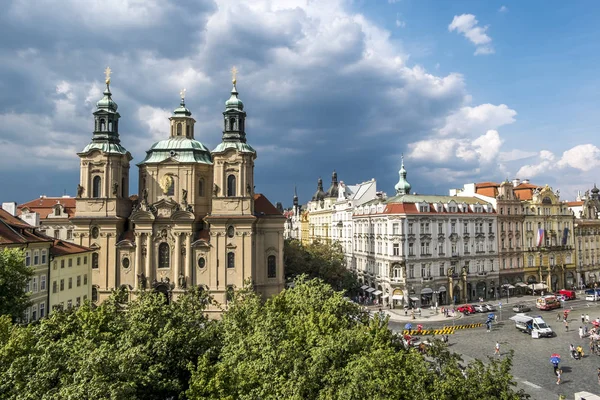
<point x="319" y="260"/>
<point x="14" y="276"/>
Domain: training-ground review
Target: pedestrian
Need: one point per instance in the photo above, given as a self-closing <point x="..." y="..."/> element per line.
<point x="555" y="365"/>
<point x="587" y="318"/>
<point x="592" y="346"/>
<point x="558" y="375"/>
<point x="581" y="332"/>
<point x="558" y="317"/>
<point x="495" y="318"/>
<point x="566" y="326"/>
<point x="582" y="319"/>
<point x="497" y="349"/>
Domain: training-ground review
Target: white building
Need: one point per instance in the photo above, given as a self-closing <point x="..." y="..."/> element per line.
<point x="50" y="215"/>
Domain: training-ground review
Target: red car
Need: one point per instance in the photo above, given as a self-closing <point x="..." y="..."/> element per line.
<point x="466" y="309"/>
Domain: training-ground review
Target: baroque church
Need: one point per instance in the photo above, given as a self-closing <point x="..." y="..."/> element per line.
<point x="196" y="221"/>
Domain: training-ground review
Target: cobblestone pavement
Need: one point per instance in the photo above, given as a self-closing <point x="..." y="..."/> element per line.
<point x="531" y="362"/>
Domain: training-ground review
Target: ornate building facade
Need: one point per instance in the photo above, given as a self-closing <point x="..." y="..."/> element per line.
<point x="196" y="221"/>
<point x="586" y="211"/>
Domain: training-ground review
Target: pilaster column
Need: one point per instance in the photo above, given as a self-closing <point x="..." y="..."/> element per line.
<point x="149" y="256"/>
<point x="188" y="257"/>
<point x="177" y="258"/>
<point x="137" y="266"/>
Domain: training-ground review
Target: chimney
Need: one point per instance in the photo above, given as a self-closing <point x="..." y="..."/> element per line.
<point x="525" y="181"/>
<point x="516" y="182"/>
<point x="10" y="207"/>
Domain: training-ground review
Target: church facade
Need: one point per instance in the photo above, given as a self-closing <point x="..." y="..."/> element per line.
<point x="196" y="221"/>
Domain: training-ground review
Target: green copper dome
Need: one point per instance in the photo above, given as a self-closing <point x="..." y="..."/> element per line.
<point x="402" y="187"/>
<point x="234" y="102"/>
<point x="180" y="149"/>
<point x="106" y="102"/>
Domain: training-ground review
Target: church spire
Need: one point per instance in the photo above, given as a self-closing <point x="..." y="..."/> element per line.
<point x="234" y="115"/>
<point x="402" y="187"/>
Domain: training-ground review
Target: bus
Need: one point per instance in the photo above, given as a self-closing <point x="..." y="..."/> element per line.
<point x="547" y="303"/>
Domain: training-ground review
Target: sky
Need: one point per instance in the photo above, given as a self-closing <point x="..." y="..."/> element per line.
<point x="467" y="91"/>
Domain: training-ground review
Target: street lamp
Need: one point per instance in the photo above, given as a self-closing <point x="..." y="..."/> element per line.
<point x="435" y="293"/>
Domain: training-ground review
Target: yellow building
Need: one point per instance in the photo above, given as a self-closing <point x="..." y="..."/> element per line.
<point x="305" y="228"/>
<point x="321" y="209"/>
<point x="197" y="220"/>
<point x="71" y="275"/>
<point x="549" y="257"/>
<point x="15" y="233"/>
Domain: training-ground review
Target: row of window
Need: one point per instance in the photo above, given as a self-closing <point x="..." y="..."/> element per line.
<point x="32" y="285"/>
<point x="383" y="248"/>
<point x="34" y="312"/>
<point x="69" y="282"/>
<point x="37" y="260"/>
<point x="70" y="262"/>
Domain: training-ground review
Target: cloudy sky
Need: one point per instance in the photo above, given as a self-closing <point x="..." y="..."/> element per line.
<point x="467" y="91"/>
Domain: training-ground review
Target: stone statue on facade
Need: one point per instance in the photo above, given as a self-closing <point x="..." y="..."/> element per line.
<point x="215" y="190"/>
<point x="184" y="193"/>
<point x="145" y="196"/>
<point x="115" y="188"/>
<point x="248" y="189"/>
<point x="182" y="282"/>
<point x="80" y="190"/>
<point x="141" y="280"/>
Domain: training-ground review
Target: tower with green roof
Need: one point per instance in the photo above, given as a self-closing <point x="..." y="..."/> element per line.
<point x="402" y="187"/>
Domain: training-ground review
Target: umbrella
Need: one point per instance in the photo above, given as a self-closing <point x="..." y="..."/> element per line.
<point x="595" y="323"/>
<point x="555" y="360"/>
<point x="491" y="315"/>
<point x="419" y="327"/>
<point x="408" y="326"/>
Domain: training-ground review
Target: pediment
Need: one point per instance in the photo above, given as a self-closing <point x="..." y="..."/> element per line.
<point x="165" y="208"/>
<point x="141" y="215"/>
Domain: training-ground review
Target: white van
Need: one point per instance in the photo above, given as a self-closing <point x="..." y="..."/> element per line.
<point x="536" y="326"/>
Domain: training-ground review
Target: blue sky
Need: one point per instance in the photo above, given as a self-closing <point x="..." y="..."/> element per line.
<point x="468" y="91"/>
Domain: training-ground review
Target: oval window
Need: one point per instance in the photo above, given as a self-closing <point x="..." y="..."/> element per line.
<point x="125" y="262"/>
<point x="95" y="232"/>
<point x="201" y="262"/>
<point x="230" y="231"/>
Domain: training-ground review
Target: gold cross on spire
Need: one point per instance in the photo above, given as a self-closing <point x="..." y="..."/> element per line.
<point x="107" y="72"/>
<point x="182" y="94"/>
<point x="234" y="72"/>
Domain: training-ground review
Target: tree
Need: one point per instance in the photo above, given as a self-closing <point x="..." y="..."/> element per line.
<point x="14" y="276"/>
<point x="319" y="260"/>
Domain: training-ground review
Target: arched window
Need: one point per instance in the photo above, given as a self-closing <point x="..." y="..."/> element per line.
<point x="231" y="186"/>
<point x="231" y="259"/>
<point x="96" y="186"/>
<point x="231" y="124"/>
<point x="95" y="260"/>
<point x="110" y="126"/>
<point x="187" y="131"/>
<point x="201" y="188"/>
<point x="179" y="129"/>
<point x="94" y="294"/>
<point x="123" y="189"/>
<point x="102" y="125"/>
<point x="163" y="255"/>
<point x="271" y="267"/>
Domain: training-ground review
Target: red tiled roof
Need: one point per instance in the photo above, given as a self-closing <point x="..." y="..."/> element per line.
<point x="574" y="203"/>
<point x="45" y="205"/>
<point x="262" y="206"/>
<point x="487" y="184"/>
<point x="62" y="248"/>
<point x="15" y="231"/>
<point x="400" y="208"/>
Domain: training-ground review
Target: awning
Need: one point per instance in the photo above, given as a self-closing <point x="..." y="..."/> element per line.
<point x="377" y="292"/>
<point x="363" y="287"/>
<point x="426" y="291"/>
<point x="521" y="318"/>
<point x="397" y="297"/>
<point x="508" y="286"/>
<point x="385" y="296"/>
<point x="370" y="290"/>
<point x="521" y="284"/>
<point x="414" y="298"/>
<point x="442" y="289"/>
<point x="540" y="286"/>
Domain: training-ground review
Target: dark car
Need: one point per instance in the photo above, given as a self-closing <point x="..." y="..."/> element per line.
<point x="466" y="309"/>
<point x="521" y="308"/>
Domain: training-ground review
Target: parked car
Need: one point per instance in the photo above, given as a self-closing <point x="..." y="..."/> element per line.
<point x="490" y="307"/>
<point x="560" y="297"/>
<point x="480" y="308"/>
<point x="466" y="309"/>
<point x="521" y="308"/>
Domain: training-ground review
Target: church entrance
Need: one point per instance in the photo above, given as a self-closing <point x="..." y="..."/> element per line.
<point x="165" y="290"/>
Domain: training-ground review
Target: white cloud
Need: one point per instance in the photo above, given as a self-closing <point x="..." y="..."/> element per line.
<point x="584" y="157"/>
<point x="474" y="120"/>
<point x="503" y="9"/>
<point x="515" y="154"/>
<point x="399" y="22"/>
<point x="467" y="25"/>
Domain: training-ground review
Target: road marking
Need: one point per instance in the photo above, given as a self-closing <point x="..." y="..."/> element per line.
<point x="532" y="385"/>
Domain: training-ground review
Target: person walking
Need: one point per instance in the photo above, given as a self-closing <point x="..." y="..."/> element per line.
<point x="558" y="317"/>
<point x="497" y="349"/>
<point x="581" y="332"/>
<point x="558" y="376"/>
<point x="566" y="326"/>
<point x="582" y="319"/>
<point x="587" y="318"/>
